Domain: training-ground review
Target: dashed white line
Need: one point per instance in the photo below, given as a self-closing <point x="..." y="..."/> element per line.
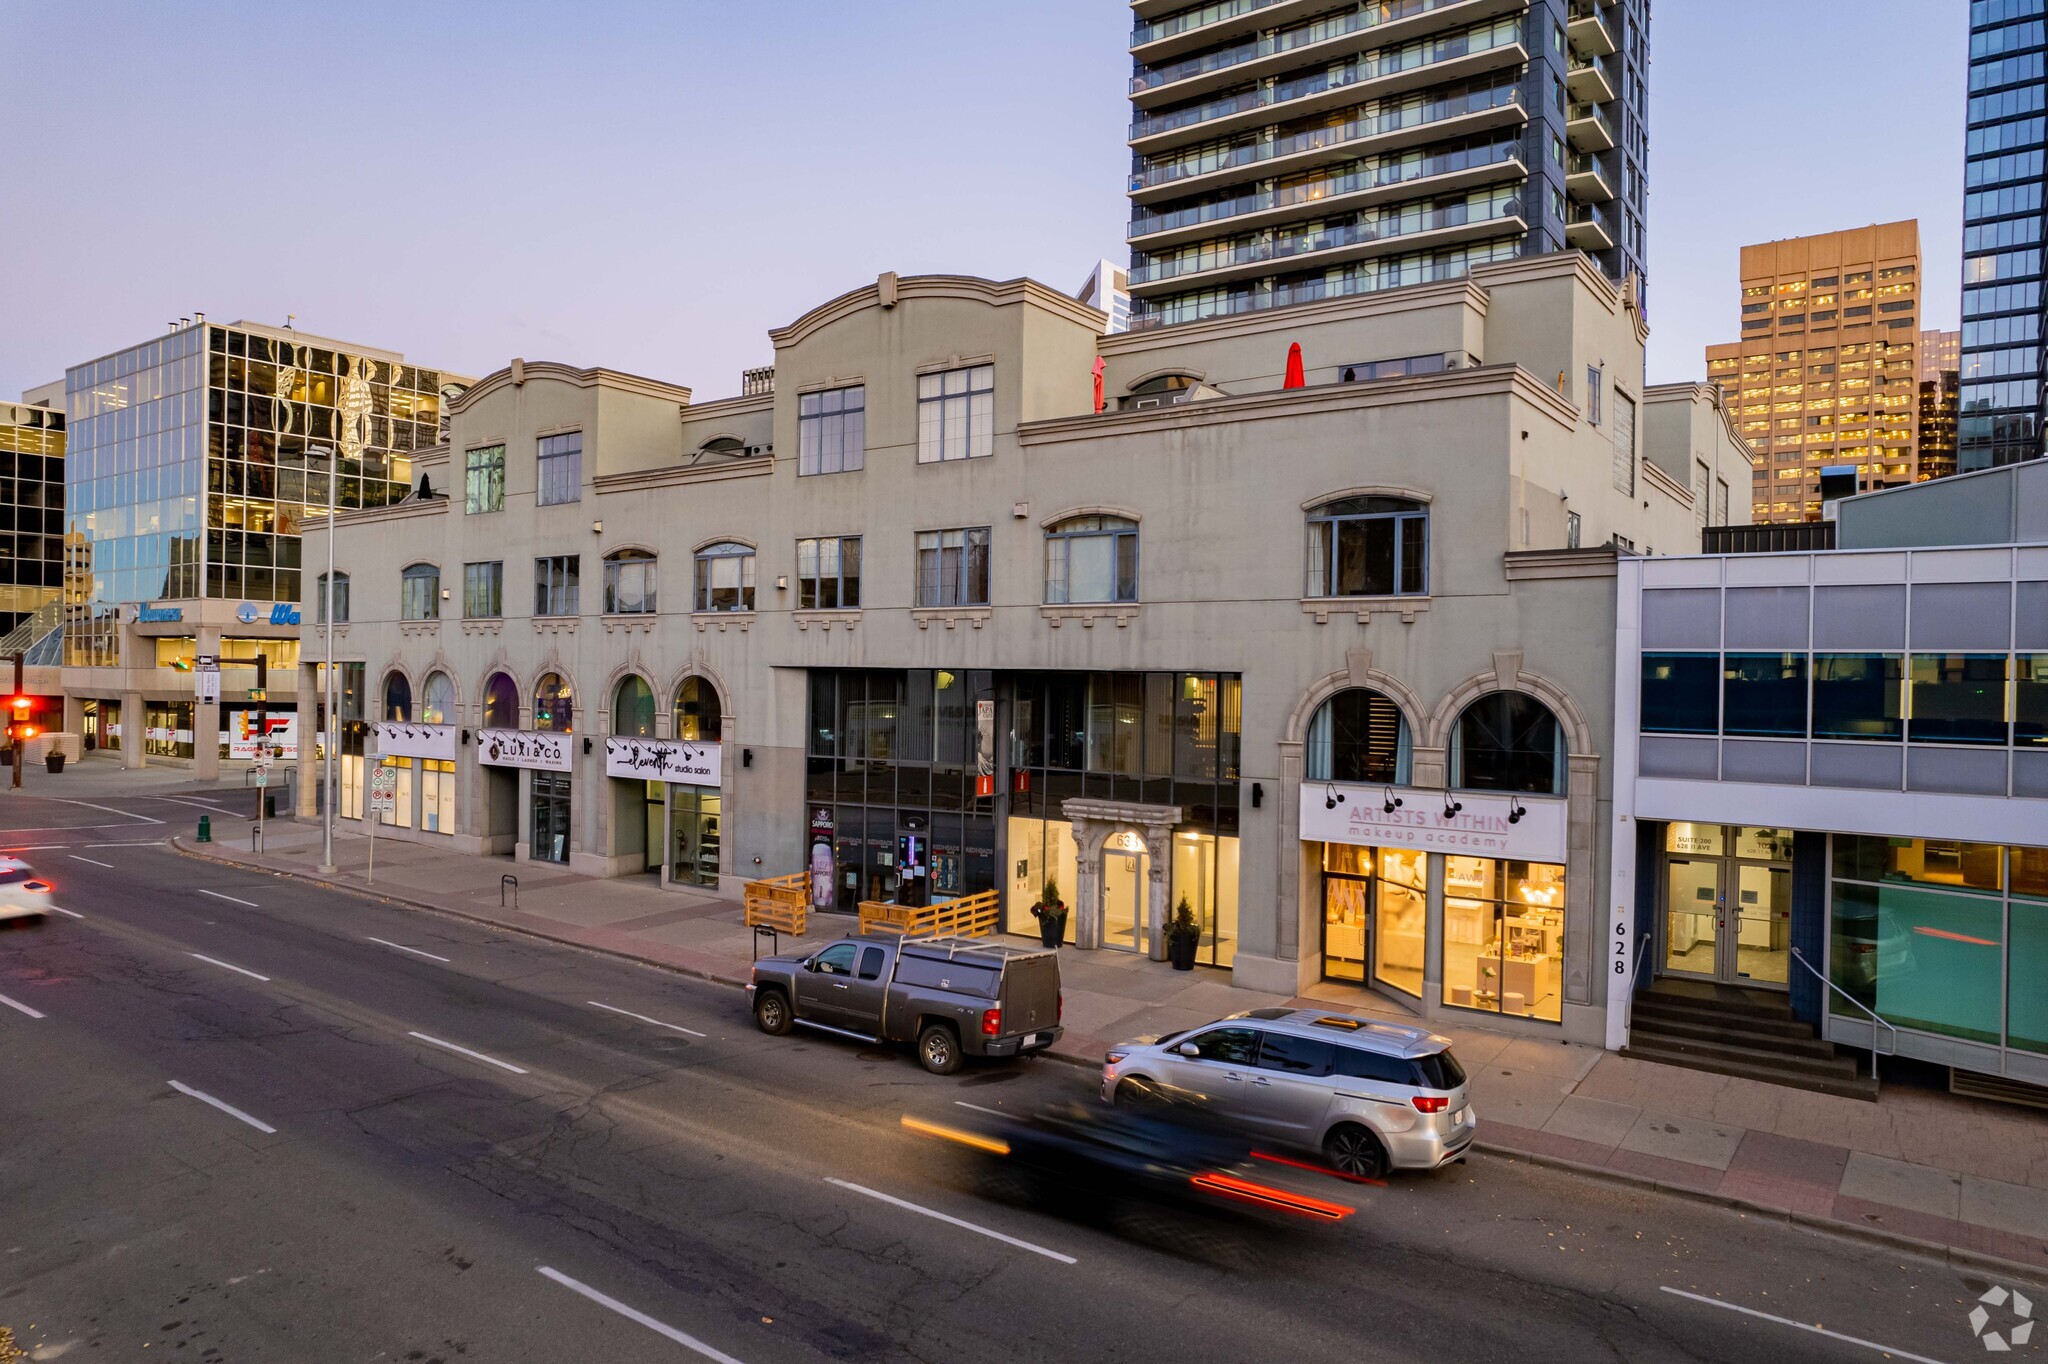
<point x="67" y="913"/>
<point x="228" y="1109"/>
<point x="953" y="1221"/>
<point x="231" y="899"/>
<point x="125" y="814"/>
<point x="197" y="804"/>
<point x="673" y="1027"/>
<point x="403" y="948"/>
<point x="660" y="1328"/>
<point x="1800" y="1325"/>
<point x="17" y="1004"/>
<point x="962" y="1103"/>
<point x="227" y="966"/>
<point x="94" y="860"/>
<point x="473" y="1055"/>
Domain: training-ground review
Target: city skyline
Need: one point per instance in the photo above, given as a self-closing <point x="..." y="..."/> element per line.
<point x="617" y="278"/>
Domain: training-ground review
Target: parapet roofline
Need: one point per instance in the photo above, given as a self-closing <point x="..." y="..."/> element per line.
<point x="526" y="371"/>
<point x="970" y="288"/>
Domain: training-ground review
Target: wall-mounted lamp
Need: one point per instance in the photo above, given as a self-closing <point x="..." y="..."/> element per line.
<point x="586" y="743"/>
<point x="782" y="582"/>
<point x="597" y="527"/>
<point x="444" y="594"/>
<point x="1332" y="797"/>
<point x="1258" y="795"/>
<point x="746" y="757"/>
<point x="1451" y="807"/>
<point x="1516" y="810"/>
<point x="465" y="737"/>
<point x="1390" y="801"/>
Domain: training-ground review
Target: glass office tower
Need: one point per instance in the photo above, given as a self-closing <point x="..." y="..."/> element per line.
<point x="1289" y="150"/>
<point x="31" y="510"/>
<point x="2002" y="373"/>
<point x="189" y="474"/>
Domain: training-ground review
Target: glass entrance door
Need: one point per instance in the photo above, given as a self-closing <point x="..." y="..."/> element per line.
<point x="1347" y="918"/>
<point x="550" y="818"/>
<point x="1123" y="889"/>
<point x="693" y="822"/>
<point x="1692" y="916"/>
<point x="1758" y="951"/>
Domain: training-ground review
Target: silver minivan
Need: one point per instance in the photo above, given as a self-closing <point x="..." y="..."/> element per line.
<point x="1369" y="1096"/>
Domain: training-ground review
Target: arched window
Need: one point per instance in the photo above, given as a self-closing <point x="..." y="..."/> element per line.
<point x="501" y="703"/>
<point x="437" y="704"/>
<point x="697" y="710"/>
<point x="1165" y="383"/>
<point x="1358" y="736"/>
<point x="1508" y="741"/>
<point x="420" y="592"/>
<point x="629" y="583"/>
<point x="1368" y="547"/>
<point x="554" y="704"/>
<point x="725" y="577"/>
<point x="340" y="600"/>
<point x="633" y="708"/>
<point x="397" y="696"/>
<point x="1091" y="558"/>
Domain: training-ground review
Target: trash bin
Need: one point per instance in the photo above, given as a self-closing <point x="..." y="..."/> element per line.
<point x="55" y="761"/>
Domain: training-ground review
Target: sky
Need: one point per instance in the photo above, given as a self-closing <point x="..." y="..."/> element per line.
<point x="652" y="186"/>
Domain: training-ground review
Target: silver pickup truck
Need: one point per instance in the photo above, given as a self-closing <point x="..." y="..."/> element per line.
<point x="952" y="997"/>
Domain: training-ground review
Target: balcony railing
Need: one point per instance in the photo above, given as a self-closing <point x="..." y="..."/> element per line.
<point x="1448" y="48"/>
<point x="1321" y="31"/>
<point x="1406" y="222"/>
<point x="754" y="382"/>
<point x="1329" y="187"/>
<point x="1425" y="269"/>
<point x="1188" y="20"/>
<point x="1393" y="120"/>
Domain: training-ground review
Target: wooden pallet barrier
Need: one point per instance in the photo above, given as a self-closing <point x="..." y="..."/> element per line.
<point x="970" y="916"/>
<point x="780" y="902"/>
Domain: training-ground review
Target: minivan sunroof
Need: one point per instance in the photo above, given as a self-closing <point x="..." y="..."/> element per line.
<point x="1334" y="1021"/>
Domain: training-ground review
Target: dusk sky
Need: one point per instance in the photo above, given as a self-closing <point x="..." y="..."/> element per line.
<point x="651" y="186"/>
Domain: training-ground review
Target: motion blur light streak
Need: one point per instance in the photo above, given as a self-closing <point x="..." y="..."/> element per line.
<point x="979" y="1143"/>
<point x="1269" y="1157"/>
<point x="1265" y="1195"/>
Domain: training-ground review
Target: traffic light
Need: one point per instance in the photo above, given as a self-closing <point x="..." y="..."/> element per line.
<point x="18" y="727"/>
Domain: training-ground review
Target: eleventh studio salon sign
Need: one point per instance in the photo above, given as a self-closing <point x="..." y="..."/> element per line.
<point x="1487" y="824"/>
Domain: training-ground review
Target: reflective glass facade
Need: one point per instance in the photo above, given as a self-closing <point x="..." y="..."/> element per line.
<point x="189" y="472"/>
<point x="2003" y="180"/>
<point x="31" y="510"/>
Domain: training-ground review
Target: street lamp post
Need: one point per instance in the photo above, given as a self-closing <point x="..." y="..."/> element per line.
<point x="333" y="726"/>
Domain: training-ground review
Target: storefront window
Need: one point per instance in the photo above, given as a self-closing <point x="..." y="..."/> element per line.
<point x="437" y="794"/>
<point x="694" y="814"/>
<point x="1958" y="699"/>
<point x="1679" y="694"/>
<point x="1040" y="850"/>
<point x="400" y="814"/>
<point x="1504" y="936"/>
<point x="1401" y="919"/>
<point x="1205" y="871"/>
<point x="1857" y="696"/>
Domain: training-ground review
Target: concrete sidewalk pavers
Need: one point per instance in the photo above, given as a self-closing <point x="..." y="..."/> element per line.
<point x="1964" y="1176"/>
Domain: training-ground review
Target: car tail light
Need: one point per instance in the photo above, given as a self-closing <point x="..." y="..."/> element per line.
<point x="36" y="887"/>
<point x="991" y="1022"/>
<point x="1430" y="1103"/>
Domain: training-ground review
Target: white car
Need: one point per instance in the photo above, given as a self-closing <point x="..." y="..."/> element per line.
<point x="24" y="896"/>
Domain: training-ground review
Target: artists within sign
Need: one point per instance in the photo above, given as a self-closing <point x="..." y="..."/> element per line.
<point x="402" y="739"/>
<point x="545" y="751"/>
<point x="676" y="760"/>
<point x="1490" y="824"/>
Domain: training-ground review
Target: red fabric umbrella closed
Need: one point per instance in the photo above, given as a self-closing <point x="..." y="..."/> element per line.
<point x="1295" y="377"/>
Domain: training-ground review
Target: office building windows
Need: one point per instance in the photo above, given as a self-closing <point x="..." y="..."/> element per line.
<point x="956" y="414"/>
<point x="555" y="590"/>
<point x="483" y="591"/>
<point x="828" y="573"/>
<point x="560" y="468"/>
<point x="484" y="480"/>
<point x="952" y="567"/>
<point x="831" y="430"/>
<point x="420" y="593"/>
<point x="725" y="577"/>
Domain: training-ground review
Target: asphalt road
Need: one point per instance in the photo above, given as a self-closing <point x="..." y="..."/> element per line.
<point x="246" y="1119"/>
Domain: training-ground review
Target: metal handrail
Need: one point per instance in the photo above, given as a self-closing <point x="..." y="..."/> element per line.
<point x="1874" y="1017"/>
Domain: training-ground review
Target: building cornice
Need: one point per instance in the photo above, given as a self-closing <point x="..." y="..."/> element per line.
<point x="742" y="405"/>
<point x="526" y="371"/>
<point x="1614" y="297"/>
<point x="1696" y="390"/>
<point x="1523" y="565"/>
<point x="1484" y="381"/>
<point x="364" y="516"/>
<point x="641" y="480"/>
<point x="968" y="288"/>
<point x="1665" y="483"/>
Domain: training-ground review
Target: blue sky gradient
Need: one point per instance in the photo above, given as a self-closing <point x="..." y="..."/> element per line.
<point x="651" y="186"/>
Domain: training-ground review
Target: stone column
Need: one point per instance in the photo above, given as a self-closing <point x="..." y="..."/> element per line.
<point x="1159" y="857"/>
<point x="134" y="728"/>
<point x="1087" y="886"/>
<point x="1585" y="943"/>
<point x="1291" y="925"/>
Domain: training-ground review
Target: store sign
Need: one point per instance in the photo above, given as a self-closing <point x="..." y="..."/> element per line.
<point x="1528" y="828"/>
<point x="676" y="760"/>
<point x="984" y="748"/>
<point x="537" y="749"/>
<point x="821" y="865"/>
<point x="400" y="739"/>
<point x="159" y="615"/>
<point x="280" y="732"/>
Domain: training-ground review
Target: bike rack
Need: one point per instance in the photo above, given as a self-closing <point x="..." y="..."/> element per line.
<point x="255" y="837"/>
<point x="512" y="881"/>
<point x="774" y="940"/>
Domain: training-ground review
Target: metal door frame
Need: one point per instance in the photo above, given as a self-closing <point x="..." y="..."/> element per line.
<point x="1372" y="912"/>
<point x="1138" y="889"/>
<point x="1727" y="964"/>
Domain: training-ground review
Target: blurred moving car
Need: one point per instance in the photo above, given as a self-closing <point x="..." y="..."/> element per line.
<point x="952" y="997"/>
<point x="1366" y="1095"/>
<point x="24" y="896"/>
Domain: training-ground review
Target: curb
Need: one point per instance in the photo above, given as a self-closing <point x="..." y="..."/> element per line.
<point x="1959" y="1256"/>
<point x="1953" y="1255"/>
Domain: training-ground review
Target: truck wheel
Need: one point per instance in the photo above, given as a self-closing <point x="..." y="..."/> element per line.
<point x="771" y="1012"/>
<point x="938" y="1049"/>
<point x="1355" y="1151"/>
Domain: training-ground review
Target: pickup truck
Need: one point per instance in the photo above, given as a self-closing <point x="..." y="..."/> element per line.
<point x="951" y="997"/>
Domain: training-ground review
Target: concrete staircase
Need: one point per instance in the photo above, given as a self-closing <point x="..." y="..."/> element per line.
<point x="1733" y="1031"/>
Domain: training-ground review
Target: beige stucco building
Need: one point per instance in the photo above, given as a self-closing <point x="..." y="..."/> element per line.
<point x="1332" y="663"/>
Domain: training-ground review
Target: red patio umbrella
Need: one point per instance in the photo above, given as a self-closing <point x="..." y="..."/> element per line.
<point x="1295" y="377"/>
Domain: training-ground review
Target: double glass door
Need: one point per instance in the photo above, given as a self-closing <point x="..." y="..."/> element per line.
<point x="694" y="815"/>
<point x="1123" y="899"/>
<point x="1727" y="919"/>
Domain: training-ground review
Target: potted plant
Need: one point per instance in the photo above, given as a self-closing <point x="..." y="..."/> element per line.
<point x="1051" y="913"/>
<point x="1183" y="934"/>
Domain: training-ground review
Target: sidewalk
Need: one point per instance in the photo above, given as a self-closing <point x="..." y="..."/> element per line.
<point x="1962" y="1174"/>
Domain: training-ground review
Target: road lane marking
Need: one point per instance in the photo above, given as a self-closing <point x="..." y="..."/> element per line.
<point x="228" y="966"/>
<point x="17" y="1004"/>
<point x="94" y="860"/>
<point x="67" y="913"/>
<point x="197" y="804"/>
<point x="228" y="1109"/>
<point x="997" y="1112"/>
<point x="954" y="1221"/>
<point x="676" y="1027"/>
<point x="125" y="814"/>
<point x="231" y="899"/>
<point x="1800" y="1325"/>
<point x="682" y="1338"/>
<point x="474" y="1055"/>
<point x="414" y="950"/>
<point x="45" y="847"/>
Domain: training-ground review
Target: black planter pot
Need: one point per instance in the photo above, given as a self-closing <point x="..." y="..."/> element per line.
<point x="1180" y="950"/>
<point x="54" y="761"/>
<point x="1052" y="928"/>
